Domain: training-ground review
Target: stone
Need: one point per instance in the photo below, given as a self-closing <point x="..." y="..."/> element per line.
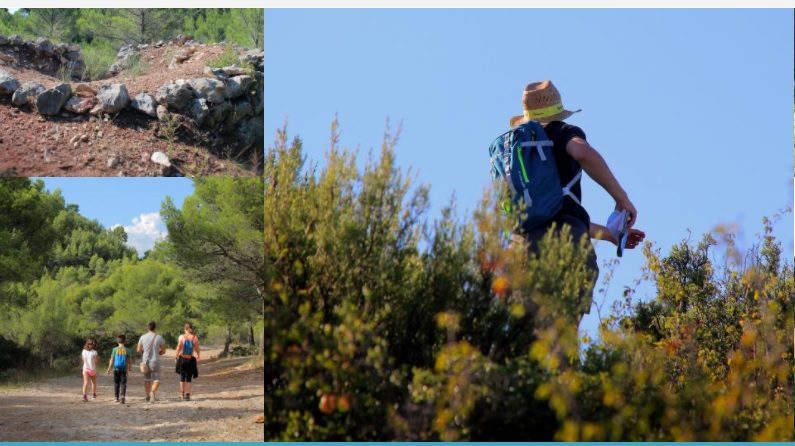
<point x="250" y="132"/>
<point x="218" y="114"/>
<point x="145" y="103"/>
<point x="26" y="93"/>
<point x="124" y="59"/>
<point x="162" y="113"/>
<point x="242" y="110"/>
<point x="211" y="89"/>
<point x="238" y="85"/>
<point x="181" y="57"/>
<point x="84" y="90"/>
<point x="3" y="40"/>
<point x="7" y="59"/>
<point x="198" y="110"/>
<point x="233" y="70"/>
<point x="72" y="55"/>
<point x="43" y="46"/>
<point x="112" y="162"/>
<point x="80" y="105"/>
<point x="161" y="159"/>
<point x="175" y="95"/>
<point x="49" y="102"/>
<point x="113" y="98"/>
<point x="77" y="69"/>
<point x="215" y="72"/>
<point x="8" y="83"/>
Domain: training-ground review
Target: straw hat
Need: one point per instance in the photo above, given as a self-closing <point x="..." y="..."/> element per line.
<point x="541" y="102"/>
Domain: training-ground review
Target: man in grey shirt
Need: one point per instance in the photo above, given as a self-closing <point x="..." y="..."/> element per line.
<point x="151" y="345"/>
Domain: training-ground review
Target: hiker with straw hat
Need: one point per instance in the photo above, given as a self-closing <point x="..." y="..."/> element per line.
<point x="550" y="192"/>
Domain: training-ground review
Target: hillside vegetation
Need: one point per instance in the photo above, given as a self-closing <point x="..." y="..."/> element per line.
<point x="101" y="32"/>
<point x="64" y="277"/>
<point x="384" y="324"/>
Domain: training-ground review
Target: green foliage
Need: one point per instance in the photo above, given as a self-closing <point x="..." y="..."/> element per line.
<point x="98" y="56"/>
<point x="216" y="237"/>
<point x="228" y="57"/>
<point x="102" y="31"/>
<point x="25" y="235"/>
<point x="65" y="277"/>
<point x="235" y="26"/>
<point x="383" y="327"/>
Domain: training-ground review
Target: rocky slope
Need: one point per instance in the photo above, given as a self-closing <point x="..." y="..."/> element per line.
<point x="161" y="109"/>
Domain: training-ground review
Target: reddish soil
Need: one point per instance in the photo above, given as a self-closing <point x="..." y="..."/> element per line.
<point x="35" y="145"/>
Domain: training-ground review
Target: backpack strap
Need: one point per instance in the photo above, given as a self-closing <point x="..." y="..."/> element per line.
<point x="507" y="159"/>
<point x="539" y="145"/>
<point x="567" y="188"/>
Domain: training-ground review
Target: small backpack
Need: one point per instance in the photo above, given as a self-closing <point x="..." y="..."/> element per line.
<point x="187" y="347"/>
<point x="523" y="157"/>
<point x="120" y="359"/>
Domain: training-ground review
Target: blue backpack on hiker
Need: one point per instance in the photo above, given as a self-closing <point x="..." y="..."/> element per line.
<point x="187" y="347"/>
<point x="120" y="359"/>
<point x="523" y="157"/>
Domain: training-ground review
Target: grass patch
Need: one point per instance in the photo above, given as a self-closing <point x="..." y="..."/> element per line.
<point x="228" y="57"/>
<point x="16" y="378"/>
<point x="134" y="67"/>
<point x="98" y="58"/>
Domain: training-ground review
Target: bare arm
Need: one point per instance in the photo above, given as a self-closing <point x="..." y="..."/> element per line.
<point x="596" y="168"/>
<point x="599" y="232"/>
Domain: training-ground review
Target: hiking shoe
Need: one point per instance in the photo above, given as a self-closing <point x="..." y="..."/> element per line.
<point x="85" y="399"/>
<point x="122" y="400"/>
<point x="617" y="226"/>
<point x="187" y="397"/>
<point x="116" y="400"/>
<point x="94" y="396"/>
<point x="147" y="399"/>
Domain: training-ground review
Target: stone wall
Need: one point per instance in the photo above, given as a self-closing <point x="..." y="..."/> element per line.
<point x="42" y="55"/>
<point x="227" y="101"/>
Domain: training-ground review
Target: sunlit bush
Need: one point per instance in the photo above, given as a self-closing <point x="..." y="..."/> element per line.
<point x="383" y="325"/>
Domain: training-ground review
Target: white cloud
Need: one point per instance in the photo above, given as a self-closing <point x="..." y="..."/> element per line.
<point x="145" y="230"/>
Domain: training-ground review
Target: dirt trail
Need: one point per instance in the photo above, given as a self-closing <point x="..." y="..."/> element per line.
<point x="226" y="399"/>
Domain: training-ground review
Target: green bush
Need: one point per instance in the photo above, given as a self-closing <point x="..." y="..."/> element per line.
<point x="228" y="57"/>
<point x="383" y="326"/>
<point x="98" y="57"/>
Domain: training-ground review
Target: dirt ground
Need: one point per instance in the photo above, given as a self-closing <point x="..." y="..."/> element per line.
<point x="35" y="145"/>
<point x="227" y="398"/>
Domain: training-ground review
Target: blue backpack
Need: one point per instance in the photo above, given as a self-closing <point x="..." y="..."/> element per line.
<point x="187" y="347"/>
<point x="523" y="157"/>
<point x="120" y="359"/>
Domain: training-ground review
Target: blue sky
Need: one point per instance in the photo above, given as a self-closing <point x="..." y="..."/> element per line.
<point x="130" y="202"/>
<point x="691" y="108"/>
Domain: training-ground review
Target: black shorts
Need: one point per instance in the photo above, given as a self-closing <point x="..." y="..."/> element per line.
<point x="187" y="369"/>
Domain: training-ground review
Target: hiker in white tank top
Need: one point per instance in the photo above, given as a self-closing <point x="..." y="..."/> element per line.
<point x="90" y="358"/>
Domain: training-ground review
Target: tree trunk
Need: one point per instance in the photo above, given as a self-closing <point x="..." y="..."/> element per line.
<point x="228" y="341"/>
<point x="251" y="333"/>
